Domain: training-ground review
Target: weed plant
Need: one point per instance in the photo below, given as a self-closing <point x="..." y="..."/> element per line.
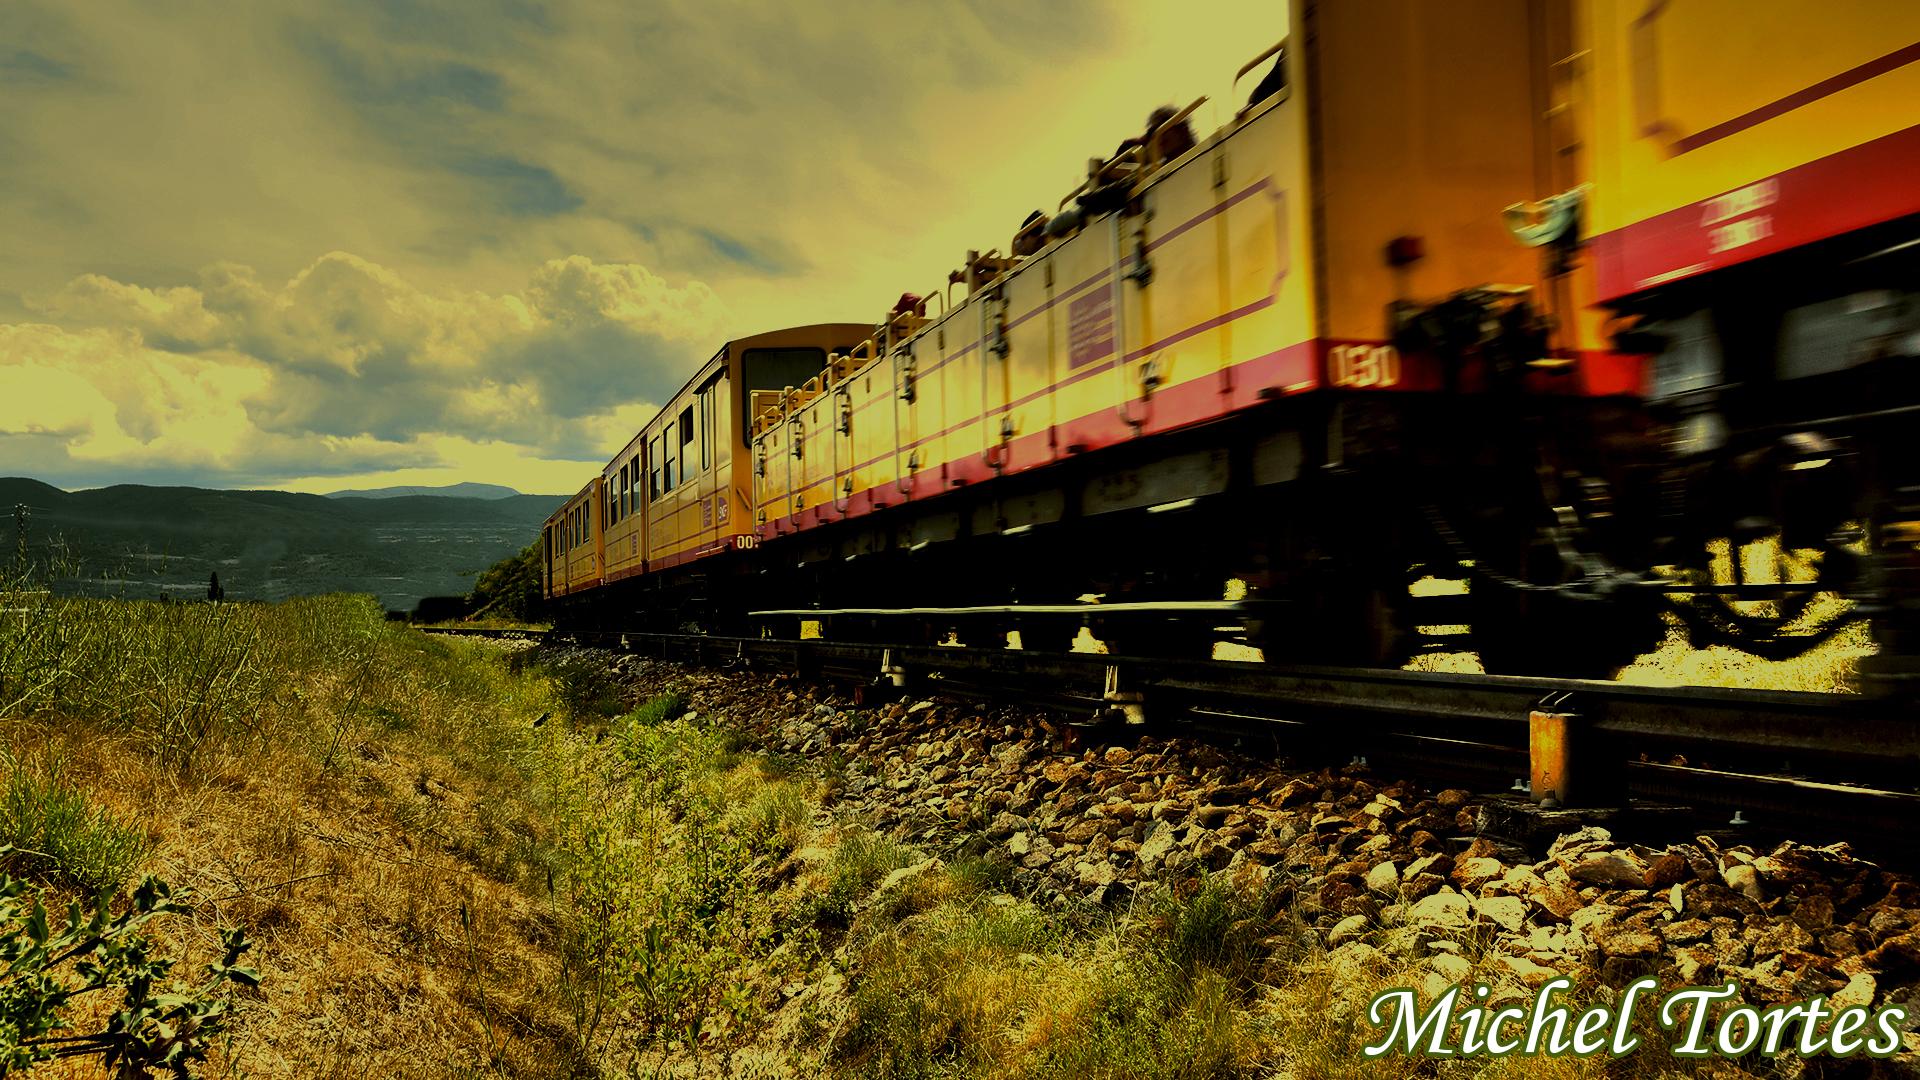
<point x="51" y="830"/>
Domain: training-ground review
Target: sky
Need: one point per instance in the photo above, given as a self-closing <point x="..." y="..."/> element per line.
<point x="370" y="242"/>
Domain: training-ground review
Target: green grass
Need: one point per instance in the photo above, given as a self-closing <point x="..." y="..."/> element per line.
<point x="586" y="688"/>
<point x="55" y="833"/>
<point x="859" y="861"/>
<point x="603" y="893"/>
<point x="659" y="709"/>
<point x="983" y="985"/>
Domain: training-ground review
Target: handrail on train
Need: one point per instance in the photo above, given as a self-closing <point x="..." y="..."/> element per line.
<point x="1275" y="49"/>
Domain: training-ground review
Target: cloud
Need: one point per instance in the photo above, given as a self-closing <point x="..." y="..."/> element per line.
<point x="171" y="318"/>
<point x="349" y="358"/>
<point x="531" y="206"/>
<point x="517" y="187"/>
<point x="24" y="66"/>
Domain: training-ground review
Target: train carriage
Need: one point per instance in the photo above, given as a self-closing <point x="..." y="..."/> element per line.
<point x="644" y="534"/>
<point x="1538" y="293"/>
<point x="572" y="558"/>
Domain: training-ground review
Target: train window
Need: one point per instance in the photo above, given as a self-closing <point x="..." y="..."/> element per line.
<point x="706" y="429"/>
<point x="633" y="464"/>
<point x="722" y="419"/>
<point x="670" y="450"/>
<point x="775" y="369"/>
<point x="687" y="434"/>
<point x="653" y="474"/>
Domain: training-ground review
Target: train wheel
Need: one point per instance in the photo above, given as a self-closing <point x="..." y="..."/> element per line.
<point x="1554" y="634"/>
<point x="1172" y="639"/>
<point x="1350" y="626"/>
<point x="1051" y="635"/>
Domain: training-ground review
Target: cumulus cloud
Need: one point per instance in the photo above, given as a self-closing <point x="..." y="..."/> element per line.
<point x="346" y="366"/>
<point x="526" y="202"/>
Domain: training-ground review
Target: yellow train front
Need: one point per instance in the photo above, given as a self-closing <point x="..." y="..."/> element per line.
<point x="1551" y="296"/>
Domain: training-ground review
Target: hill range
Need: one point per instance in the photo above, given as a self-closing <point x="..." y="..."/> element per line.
<point x="147" y="542"/>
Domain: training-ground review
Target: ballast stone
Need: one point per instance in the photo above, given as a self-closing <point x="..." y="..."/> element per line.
<point x="1443" y="910"/>
<point x="1383" y="878"/>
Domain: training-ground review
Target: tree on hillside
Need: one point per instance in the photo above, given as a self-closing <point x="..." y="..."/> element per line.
<point x="510" y="588"/>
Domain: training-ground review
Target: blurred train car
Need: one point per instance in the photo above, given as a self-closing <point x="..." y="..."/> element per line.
<point x="1196" y="374"/>
<point x="1753" y="223"/>
<point x="1551" y="294"/>
<point x="658" y="537"/>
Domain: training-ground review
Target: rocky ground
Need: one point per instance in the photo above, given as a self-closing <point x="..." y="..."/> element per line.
<point x="1379" y="870"/>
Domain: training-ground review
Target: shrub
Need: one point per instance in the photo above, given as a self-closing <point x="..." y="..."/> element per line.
<point x="1212" y="925"/>
<point x="773" y="818"/>
<point x="660" y="708"/>
<point x="159" y="1025"/>
<point x="52" y="831"/>
<point x="859" y="861"/>
<point x="942" y="994"/>
<point x="510" y="588"/>
<point x="585" y="687"/>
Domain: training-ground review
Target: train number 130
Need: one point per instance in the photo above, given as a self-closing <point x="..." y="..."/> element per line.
<point x="1363" y="365"/>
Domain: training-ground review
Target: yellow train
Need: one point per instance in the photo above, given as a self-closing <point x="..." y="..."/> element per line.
<point x="1549" y="294"/>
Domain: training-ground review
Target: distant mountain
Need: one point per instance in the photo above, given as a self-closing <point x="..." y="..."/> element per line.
<point x="454" y="491"/>
<point x="130" y="540"/>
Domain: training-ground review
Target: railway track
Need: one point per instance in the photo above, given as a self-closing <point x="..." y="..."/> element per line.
<point x="1759" y="764"/>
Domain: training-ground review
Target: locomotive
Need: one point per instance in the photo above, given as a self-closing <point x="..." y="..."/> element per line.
<point x="1580" y="302"/>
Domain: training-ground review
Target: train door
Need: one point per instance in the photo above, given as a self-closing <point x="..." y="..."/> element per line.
<point x="844" y="454"/>
<point x="903" y="370"/>
<point x="699" y="416"/>
<point x="637" y="504"/>
<point x="996" y="430"/>
<point x="685" y="456"/>
<point x="729" y="503"/>
<point x="1027" y="370"/>
<point x="1180" y="265"/>
<point x="956" y="397"/>
<point x="599" y="510"/>
<point x="659" y="515"/>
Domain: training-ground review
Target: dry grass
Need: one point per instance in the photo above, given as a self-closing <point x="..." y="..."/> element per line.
<point x="364" y="800"/>
<point x="439" y="886"/>
<point x="1215" y="980"/>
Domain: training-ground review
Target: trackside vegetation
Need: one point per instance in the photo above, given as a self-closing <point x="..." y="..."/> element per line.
<point x="299" y="839"/>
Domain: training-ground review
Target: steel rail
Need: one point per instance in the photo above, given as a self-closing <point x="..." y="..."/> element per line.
<point x="1836" y="762"/>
